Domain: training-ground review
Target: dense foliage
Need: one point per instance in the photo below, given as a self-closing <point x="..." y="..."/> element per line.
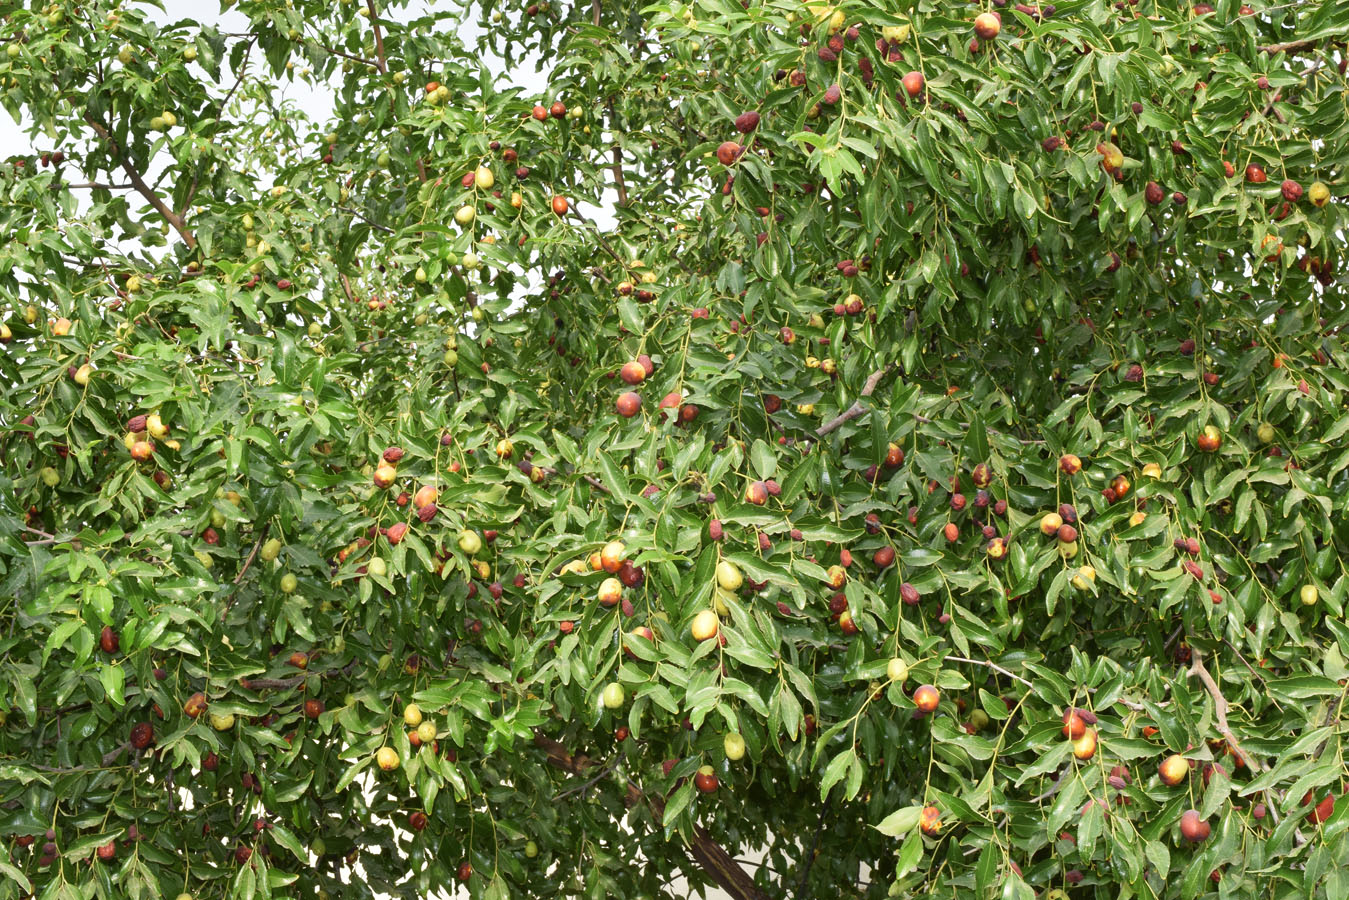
<point x="376" y="520"/>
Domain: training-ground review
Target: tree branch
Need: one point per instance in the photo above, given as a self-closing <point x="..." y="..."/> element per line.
<point x="252" y="554"/>
<point x="141" y="187"/>
<point x="219" y="115"/>
<point x="1289" y="47"/>
<point x="856" y="409"/>
<point x="719" y="865"/>
<point x="379" y="37"/>
<point x="994" y="666"/>
<point x="366" y="219"/>
<point x="619" y="184"/>
<point x="1198" y="668"/>
<point x="814" y="849"/>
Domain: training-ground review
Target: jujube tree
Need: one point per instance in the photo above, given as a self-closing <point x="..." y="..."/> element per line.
<point x="884" y="450"/>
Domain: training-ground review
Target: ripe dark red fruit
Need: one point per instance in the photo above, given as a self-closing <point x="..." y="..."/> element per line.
<point x="142" y="735"/>
<point x="746" y="122"/>
<point x="913" y="83"/>
<point x="1192" y="827"/>
<point x="108" y="641"/>
<point x="728" y="152"/>
<point x="629" y="404"/>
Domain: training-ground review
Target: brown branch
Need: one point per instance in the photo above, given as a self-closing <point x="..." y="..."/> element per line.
<point x="595" y="9"/>
<point x="619" y="184"/>
<point x="92" y="185"/>
<point x="1053" y="788"/>
<point x="379" y="37"/>
<point x="346" y="288"/>
<point x="1289" y="47"/>
<point x="1198" y="668"/>
<point x="994" y="666"/>
<point x="366" y="219"/>
<point x="252" y="554"/>
<point x="719" y="865"/>
<point x="582" y="788"/>
<point x="590" y="479"/>
<point x="856" y="409"/>
<point x="219" y="114"/>
<point x="356" y="59"/>
<point x="142" y="188"/>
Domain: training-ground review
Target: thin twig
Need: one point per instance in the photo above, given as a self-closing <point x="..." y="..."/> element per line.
<point x="994" y="666"/>
<point x="356" y="59"/>
<point x="252" y="554"/>
<point x="366" y="219"/>
<point x="582" y="788"/>
<point x="1053" y="788"/>
<point x="857" y="408"/>
<point x="219" y="115"/>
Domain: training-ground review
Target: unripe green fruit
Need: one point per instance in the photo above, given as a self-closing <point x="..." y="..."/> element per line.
<point x="270" y="550"/>
<point x="1309" y="595"/>
<point x="531" y="849"/>
<point x="289" y="583"/>
<point x="897" y="670"/>
<point x="377" y="567"/>
<point x="613" y="695"/>
<point x="734" y="746"/>
<point x="50" y="477"/>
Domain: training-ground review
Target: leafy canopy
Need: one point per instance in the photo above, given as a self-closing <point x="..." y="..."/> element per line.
<point x="309" y="422"/>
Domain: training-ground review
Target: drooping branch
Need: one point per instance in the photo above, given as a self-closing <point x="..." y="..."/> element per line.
<point x="719" y="865"/>
<point x="857" y="408"/>
<point x="175" y="220"/>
